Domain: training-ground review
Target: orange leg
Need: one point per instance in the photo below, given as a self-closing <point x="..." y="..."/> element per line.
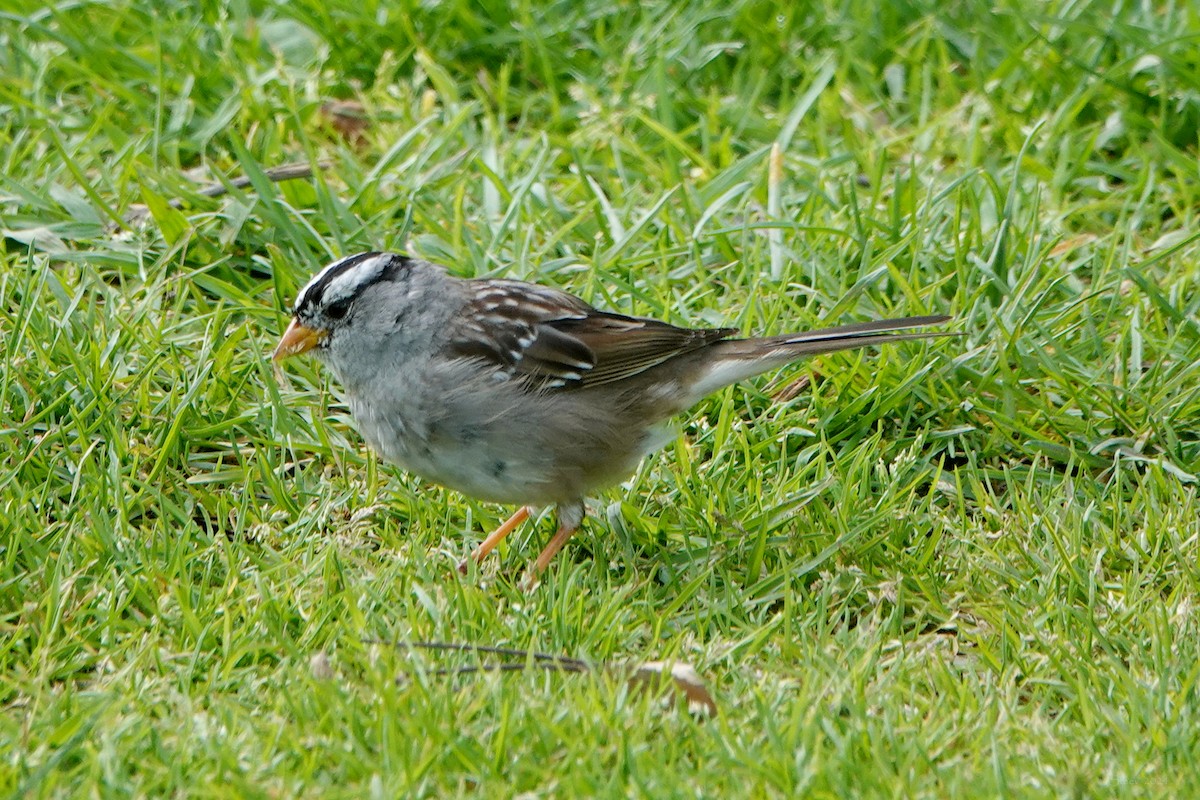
<point x="493" y="539"/>
<point x="569" y="519"/>
<point x="556" y="543"/>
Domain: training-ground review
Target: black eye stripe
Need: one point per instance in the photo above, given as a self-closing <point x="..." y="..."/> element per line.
<point x="338" y="310"/>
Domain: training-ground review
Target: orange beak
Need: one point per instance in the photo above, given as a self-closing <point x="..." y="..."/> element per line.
<point x="297" y="339"/>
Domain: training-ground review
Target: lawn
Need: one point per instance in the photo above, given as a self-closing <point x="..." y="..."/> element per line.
<point x="961" y="567"/>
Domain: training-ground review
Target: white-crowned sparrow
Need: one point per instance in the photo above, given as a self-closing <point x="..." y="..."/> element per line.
<point x="517" y="393"/>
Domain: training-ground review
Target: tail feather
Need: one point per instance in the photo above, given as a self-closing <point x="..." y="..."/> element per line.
<point x="743" y="358"/>
<point x="862" y="328"/>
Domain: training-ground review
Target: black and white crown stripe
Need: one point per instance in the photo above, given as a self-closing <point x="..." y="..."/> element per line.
<point x="345" y="278"/>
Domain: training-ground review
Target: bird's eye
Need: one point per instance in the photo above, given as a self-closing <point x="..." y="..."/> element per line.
<point x="337" y="310"/>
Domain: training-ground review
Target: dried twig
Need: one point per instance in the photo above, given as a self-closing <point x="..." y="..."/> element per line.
<point x="647" y="676"/>
<point x="565" y="663"/>
<point x="288" y="172"/>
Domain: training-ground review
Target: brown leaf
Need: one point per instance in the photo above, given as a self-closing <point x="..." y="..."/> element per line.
<point x="650" y="675"/>
<point x="348" y="118"/>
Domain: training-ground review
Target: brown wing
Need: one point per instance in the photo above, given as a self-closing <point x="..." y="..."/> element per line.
<point x="557" y="341"/>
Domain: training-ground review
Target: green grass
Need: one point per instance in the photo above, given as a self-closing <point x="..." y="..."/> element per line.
<point x="966" y="567"/>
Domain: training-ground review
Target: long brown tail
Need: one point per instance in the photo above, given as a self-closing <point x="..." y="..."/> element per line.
<point x="859" y="334"/>
<point x="739" y="359"/>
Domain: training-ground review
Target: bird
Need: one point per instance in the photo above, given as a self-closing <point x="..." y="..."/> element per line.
<point x="519" y="393"/>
